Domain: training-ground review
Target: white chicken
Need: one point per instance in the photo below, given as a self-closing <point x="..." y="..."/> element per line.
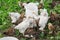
<point x="14" y="16"/>
<point x="8" y="38"/>
<point x="27" y="23"/>
<point x="43" y="19"/>
<point x="31" y="10"/>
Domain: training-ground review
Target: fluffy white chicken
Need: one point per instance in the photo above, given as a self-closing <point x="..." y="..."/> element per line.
<point x="31" y="10"/>
<point x="14" y="16"/>
<point x="27" y="23"/>
<point x="43" y="19"/>
<point x="8" y="38"/>
<point x="43" y="12"/>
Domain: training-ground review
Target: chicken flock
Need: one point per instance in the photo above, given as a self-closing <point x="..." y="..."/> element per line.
<point x="31" y="16"/>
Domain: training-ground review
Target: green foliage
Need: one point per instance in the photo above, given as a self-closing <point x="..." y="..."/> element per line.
<point x="4" y="20"/>
<point x="17" y="33"/>
<point x="23" y="39"/>
<point x="49" y="8"/>
<point x="46" y="5"/>
<point x="1" y="35"/>
<point x="57" y="8"/>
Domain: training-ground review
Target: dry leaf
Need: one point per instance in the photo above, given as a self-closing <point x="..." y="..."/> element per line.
<point x="20" y="19"/>
<point x="40" y="6"/>
<point x="51" y="27"/>
<point x="9" y="31"/>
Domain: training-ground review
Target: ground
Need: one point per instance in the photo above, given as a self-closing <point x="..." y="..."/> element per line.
<point x="7" y="6"/>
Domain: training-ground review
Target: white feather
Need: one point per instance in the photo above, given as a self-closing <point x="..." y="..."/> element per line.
<point x="8" y="38"/>
<point x="14" y="16"/>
